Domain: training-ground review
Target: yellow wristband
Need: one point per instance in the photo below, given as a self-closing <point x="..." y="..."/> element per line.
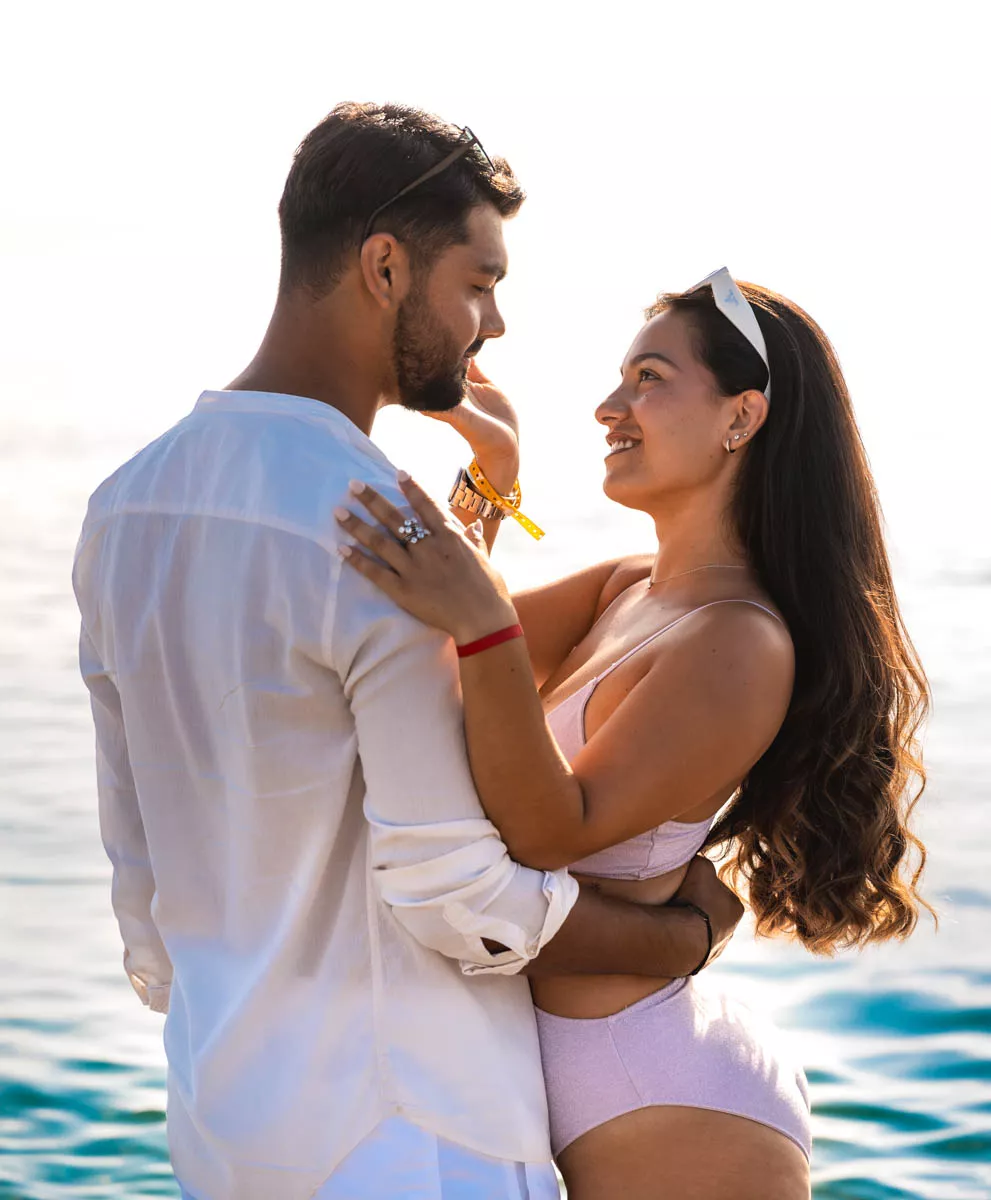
<point x="509" y="504"/>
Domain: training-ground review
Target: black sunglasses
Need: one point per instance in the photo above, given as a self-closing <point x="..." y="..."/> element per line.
<point x="458" y="152"/>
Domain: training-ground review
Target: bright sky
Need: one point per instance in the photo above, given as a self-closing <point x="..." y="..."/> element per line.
<point x="832" y="152"/>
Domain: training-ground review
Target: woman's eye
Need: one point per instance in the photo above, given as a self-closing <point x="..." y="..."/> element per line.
<point x="484" y="290"/>
<point x="645" y="374"/>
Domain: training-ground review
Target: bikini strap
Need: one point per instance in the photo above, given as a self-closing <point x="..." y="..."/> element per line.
<point x="677" y="621"/>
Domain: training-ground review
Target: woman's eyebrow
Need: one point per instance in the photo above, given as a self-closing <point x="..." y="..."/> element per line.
<point x="651" y="354"/>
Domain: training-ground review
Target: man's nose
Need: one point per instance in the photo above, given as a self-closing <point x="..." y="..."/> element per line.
<point x="493" y="326"/>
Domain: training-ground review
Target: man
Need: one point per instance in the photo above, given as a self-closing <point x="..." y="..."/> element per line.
<point x="303" y="876"/>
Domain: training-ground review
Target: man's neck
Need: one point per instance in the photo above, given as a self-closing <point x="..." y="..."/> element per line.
<point x="304" y="353"/>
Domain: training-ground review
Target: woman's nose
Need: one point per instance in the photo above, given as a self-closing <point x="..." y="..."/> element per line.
<point x="613" y="408"/>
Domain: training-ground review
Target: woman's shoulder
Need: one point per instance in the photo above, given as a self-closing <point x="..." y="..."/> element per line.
<point x="739" y="641"/>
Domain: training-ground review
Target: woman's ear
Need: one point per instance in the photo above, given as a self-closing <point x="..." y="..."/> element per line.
<point x="750" y="411"/>
<point x="385" y="269"/>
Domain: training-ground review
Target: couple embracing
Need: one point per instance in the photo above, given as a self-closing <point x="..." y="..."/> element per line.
<point x="412" y="864"/>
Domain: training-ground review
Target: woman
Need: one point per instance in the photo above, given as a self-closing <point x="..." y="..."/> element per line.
<point x="758" y="657"/>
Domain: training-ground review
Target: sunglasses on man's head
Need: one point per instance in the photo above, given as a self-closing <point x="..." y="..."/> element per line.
<point x="458" y="152"/>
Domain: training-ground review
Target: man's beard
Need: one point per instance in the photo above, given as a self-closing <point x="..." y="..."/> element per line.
<point x="430" y="366"/>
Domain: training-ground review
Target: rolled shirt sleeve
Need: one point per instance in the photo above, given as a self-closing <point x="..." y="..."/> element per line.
<point x="145" y="958"/>
<point x="437" y="861"/>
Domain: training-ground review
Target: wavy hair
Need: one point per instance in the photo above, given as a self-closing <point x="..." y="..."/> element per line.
<point x="820" y="826"/>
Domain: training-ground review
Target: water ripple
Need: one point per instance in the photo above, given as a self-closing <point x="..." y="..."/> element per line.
<point x="897" y="1041"/>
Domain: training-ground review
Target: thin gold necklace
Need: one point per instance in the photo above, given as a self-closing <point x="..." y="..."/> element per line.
<point x="704" y="567"/>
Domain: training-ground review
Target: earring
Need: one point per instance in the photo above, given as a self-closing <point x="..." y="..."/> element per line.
<point x="736" y="437"/>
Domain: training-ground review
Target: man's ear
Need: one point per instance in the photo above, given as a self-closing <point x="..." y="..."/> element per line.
<point x="385" y="269"/>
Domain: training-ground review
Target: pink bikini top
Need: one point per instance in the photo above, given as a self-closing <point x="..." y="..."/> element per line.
<point x="661" y="849"/>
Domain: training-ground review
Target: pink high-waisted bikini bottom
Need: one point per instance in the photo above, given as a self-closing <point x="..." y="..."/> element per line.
<point x="687" y="1044"/>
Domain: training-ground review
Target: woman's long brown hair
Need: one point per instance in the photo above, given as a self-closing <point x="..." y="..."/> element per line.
<point x="819" y="828"/>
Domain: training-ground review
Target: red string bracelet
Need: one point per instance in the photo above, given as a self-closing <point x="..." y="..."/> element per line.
<point x="490" y="640"/>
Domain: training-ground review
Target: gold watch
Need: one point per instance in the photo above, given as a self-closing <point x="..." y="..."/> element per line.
<point x="464" y="496"/>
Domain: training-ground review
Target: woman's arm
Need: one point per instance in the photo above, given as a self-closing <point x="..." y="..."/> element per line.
<point x="707" y="705"/>
<point x="556" y="616"/>
<point x="488" y="423"/>
<point x="705" y="708"/>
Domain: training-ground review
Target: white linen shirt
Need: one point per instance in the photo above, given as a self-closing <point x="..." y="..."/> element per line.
<point x="286" y="801"/>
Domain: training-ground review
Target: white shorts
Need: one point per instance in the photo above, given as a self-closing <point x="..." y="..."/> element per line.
<point x="399" y="1159"/>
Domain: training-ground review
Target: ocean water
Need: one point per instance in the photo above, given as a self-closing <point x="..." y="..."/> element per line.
<point x="896" y="1040"/>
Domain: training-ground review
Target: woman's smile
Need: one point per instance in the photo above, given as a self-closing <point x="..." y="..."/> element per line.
<point x="619" y="445"/>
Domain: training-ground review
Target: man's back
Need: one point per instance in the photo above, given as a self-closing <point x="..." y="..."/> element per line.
<point x="237" y="676"/>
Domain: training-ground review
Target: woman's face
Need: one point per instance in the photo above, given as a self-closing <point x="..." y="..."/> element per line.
<point x="667" y="421"/>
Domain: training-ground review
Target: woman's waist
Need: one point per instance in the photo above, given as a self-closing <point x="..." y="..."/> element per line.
<point x="584" y="996"/>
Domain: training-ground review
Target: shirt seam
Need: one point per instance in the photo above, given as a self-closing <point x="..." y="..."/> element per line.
<point x="375" y="961"/>
<point x="357" y="455"/>
<point x="93" y="525"/>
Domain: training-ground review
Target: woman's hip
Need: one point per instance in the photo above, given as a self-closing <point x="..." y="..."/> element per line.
<point x="687" y="1044"/>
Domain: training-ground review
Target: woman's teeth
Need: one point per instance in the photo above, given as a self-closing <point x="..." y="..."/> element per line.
<point x="616" y="447"/>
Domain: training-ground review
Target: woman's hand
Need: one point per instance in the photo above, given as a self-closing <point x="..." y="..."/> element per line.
<point x="444" y="579"/>
<point x="488" y="423"/>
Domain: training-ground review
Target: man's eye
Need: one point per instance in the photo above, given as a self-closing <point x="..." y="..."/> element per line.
<point x="486" y="291"/>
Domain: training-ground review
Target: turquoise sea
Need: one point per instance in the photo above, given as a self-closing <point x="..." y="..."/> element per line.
<point x="896" y="1041"/>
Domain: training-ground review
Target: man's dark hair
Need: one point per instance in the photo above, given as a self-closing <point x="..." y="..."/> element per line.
<point x="357" y="158"/>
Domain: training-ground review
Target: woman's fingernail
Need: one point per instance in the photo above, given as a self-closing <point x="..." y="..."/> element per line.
<point x="345" y="551"/>
<point x="403" y="476"/>
<point x="356" y="487"/>
<point x="341" y="514"/>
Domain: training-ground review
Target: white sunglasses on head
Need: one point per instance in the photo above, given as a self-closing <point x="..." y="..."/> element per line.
<point x="735" y="307"/>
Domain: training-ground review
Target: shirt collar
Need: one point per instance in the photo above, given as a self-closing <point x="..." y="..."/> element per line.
<point x="302" y="407"/>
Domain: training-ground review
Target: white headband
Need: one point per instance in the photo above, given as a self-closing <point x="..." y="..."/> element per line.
<point x="732" y="303"/>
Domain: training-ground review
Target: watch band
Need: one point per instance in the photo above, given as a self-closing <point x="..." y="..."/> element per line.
<point x="464" y="496"/>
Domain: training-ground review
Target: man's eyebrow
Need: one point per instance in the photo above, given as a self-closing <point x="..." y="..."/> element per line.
<point x="495" y="269"/>
<point x="652" y="354"/>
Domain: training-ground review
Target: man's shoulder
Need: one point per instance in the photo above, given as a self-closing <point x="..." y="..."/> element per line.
<point x="303" y="475"/>
<point x="249" y="467"/>
<point x="113" y="490"/>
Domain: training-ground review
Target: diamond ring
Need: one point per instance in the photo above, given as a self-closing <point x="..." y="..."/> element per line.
<point x="411" y="532"/>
